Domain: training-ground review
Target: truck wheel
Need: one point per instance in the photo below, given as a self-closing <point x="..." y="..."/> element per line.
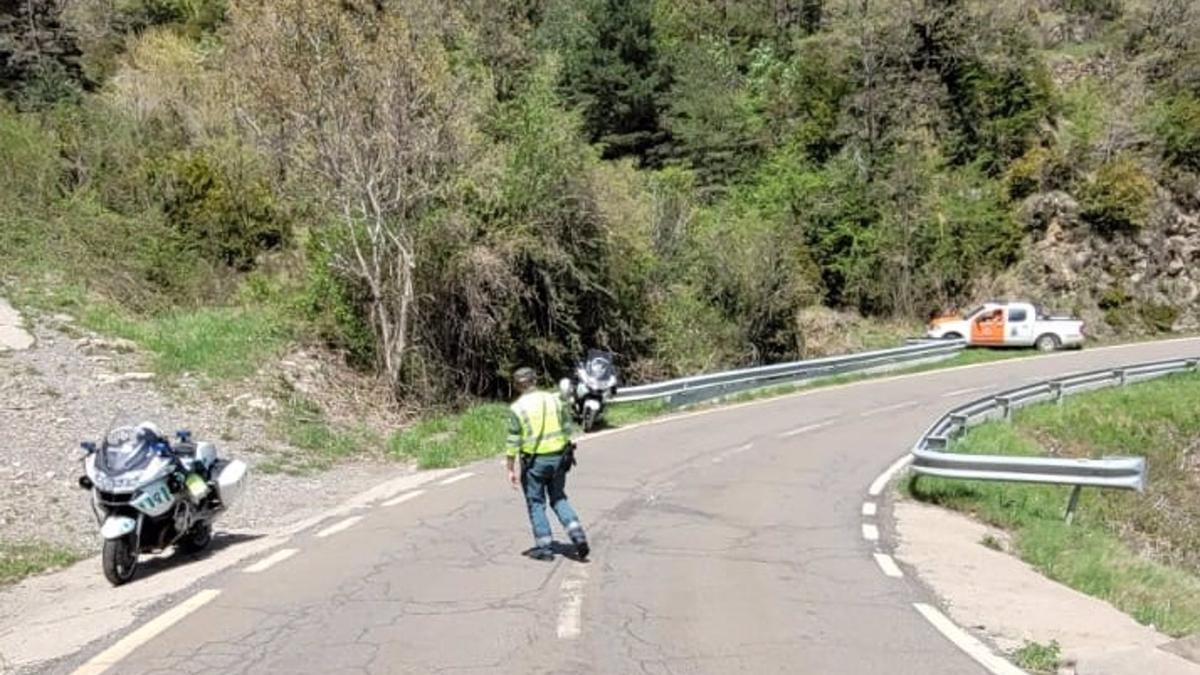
<point x="119" y="560"/>
<point x="1048" y="343"/>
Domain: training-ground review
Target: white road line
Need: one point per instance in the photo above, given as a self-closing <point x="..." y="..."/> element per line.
<point x="404" y="498"/>
<point x="338" y="527"/>
<point x="868" y="509"/>
<point x="806" y="428"/>
<point x="271" y="560"/>
<point x="960" y="392"/>
<point x="964" y="641"/>
<point x="889" y="408"/>
<point x="126" y="645"/>
<point x="570" y="615"/>
<point x="882" y="480"/>
<point x="888" y="566"/>
<point x="870" y="532"/>
<point x="730" y="453"/>
<point x="454" y="479"/>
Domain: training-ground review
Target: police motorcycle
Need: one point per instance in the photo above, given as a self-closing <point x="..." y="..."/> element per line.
<point x="592" y="385"/>
<point x="148" y="494"/>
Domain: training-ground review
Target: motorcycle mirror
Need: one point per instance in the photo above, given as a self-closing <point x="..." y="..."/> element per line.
<point x="88" y="446"/>
<point x="183" y="435"/>
<point x="86" y="483"/>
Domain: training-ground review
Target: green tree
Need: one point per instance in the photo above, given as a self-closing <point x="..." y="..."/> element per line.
<point x="612" y="72"/>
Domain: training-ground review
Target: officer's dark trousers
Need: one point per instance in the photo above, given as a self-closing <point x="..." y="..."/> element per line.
<point x="543" y="481"/>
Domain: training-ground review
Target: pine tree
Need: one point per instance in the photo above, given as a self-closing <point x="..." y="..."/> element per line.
<point x="613" y="74"/>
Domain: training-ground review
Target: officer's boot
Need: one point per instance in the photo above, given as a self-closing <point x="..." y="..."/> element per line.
<point x="575" y="530"/>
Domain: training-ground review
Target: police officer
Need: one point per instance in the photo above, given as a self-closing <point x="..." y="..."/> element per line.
<point x="539" y="431"/>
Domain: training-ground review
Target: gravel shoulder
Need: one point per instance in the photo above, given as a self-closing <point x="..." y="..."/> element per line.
<point x="1009" y="602"/>
<point x="66" y="386"/>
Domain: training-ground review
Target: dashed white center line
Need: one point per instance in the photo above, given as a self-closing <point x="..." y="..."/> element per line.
<point x="126" y="645"/>
<point x="338" y="527"/>
<point x="870" y="532"/>
<point x="960" y="392"/>
<point x="730" y="453"/>
<point x="805" y="429"/>
<point x="888" y="566"/>
<point x="570" y="616"/>
<point x="454" y="479"/>
<point x="868" y="509"/>
<point x="404" y="498"/>
<point x="889" y="408"/>
<point x="272" y="560"/>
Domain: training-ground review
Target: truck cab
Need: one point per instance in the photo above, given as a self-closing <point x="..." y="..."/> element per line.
<point x="1009" y="324"/>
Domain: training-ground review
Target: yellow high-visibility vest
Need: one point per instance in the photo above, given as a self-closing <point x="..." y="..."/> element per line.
<point x="540" y="415"/>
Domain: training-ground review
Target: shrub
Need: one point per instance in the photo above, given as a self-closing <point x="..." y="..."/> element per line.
<point x="219" y="207"/>
<point x="1118" y="197"/>
<point x="1177" y="126"/>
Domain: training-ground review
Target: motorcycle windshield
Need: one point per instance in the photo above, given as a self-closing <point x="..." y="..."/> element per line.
<point x="598" y="371"/>
<point x="125" y="449"/>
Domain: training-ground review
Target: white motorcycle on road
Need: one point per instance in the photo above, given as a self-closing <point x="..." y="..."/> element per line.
<point x="148" y="494"/>
<point x="588" y="392"/>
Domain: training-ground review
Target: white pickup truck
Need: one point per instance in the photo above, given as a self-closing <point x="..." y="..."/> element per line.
<point x="1010" y="324"/>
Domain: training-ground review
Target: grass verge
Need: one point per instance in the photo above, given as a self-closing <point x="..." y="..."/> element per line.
<point x="222" y="343"/>
<point x="20" y="560"/>
<point x="316" y="444"/>
<point x="1038" y="658"/>
<point x="1139" y="552"/>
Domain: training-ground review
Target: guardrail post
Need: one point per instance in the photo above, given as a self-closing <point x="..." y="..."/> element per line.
<point x="1194" y="364"/>
<point x="1120" y="376"/>
<point x="1073" y="502"/>
<point x="960" y="423"/>
<point x="1006" y="405"/>
<point x="1056" y="388"/>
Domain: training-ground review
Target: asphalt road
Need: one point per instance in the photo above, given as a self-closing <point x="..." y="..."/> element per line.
<point x="724" y="542"/>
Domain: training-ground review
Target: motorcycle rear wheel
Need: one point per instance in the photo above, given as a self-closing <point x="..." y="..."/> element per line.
<point x="197" y="539"/>
<point x="120" y="560"/>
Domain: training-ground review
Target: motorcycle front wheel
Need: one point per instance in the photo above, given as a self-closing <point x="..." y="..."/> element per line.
<point x="120" y="560"/>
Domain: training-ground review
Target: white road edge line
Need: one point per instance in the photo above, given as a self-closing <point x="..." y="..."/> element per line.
<point x="886" y="476"/>
<point x="570" y="616"/>
<point x="870" y="532"/>
<point x="968" y="644"/>
<point x="869" y="509"/>
<point x="888" y="566"/>
<point x="454" y="479"/>
<point x="271" y="560"/>
<point x="338" y="527"/>
<point x="126" y="645"/>
<point x="806" y="428"/>
<point x="407" y="496"/>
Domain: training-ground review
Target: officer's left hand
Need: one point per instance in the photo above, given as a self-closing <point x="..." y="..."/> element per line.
<point x="512" y="478"/>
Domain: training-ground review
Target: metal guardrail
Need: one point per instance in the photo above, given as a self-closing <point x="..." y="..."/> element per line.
<point x="697" y="388"/>
<point x="931" y="456"/>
